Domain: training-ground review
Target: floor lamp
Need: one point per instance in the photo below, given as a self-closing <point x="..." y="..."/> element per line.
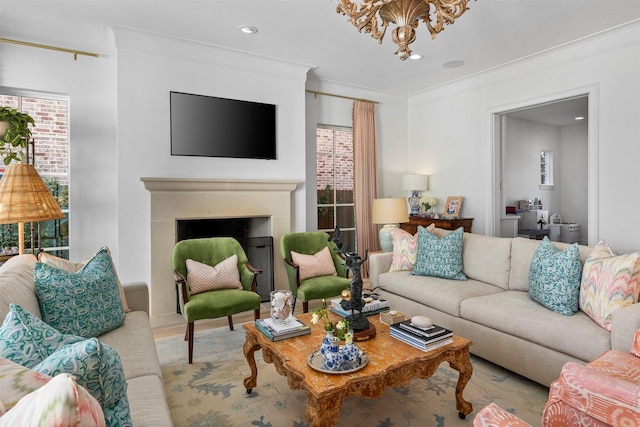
<point x="389" y="212"/>
<point x="24" y="197"/>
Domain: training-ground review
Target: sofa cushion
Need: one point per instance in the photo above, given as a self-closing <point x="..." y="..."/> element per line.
<point x="86" y="303"/>
<point x="439" y="257"/>
<point x="16" y="285"/>
<point x="98" y="368"/>
<point x="441" y="294"/>
<point x="203" y="277"/>
<point x="522" y="251"/>
<point x="60" y="402"/>
<point x="16" y="381"/>
<point x="609" y="282"/>
<point x="487" y="259"/>
<point x="73" y="267"/>
<point x="27" y="340"/>
<point x="316" y="265"/>
<point x="554" y="277"/>
<point x="405" y="249"/>
<point x="514" y="313"/>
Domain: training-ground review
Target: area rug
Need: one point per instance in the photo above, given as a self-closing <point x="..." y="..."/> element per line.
<point x="210" y="392"/>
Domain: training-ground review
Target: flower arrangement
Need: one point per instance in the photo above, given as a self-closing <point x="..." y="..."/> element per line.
<point x="321" y="314"/>
<point x="428" y="203"/>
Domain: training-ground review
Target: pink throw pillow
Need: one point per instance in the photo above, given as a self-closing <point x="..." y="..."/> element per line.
<point x="202" y="277"/>
<point x="405" y="249"/>
<point x="318" y="264"/>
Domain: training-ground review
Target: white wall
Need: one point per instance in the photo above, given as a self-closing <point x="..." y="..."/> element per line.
<point x="573" y="174"/>
<point x="450" y="127"/>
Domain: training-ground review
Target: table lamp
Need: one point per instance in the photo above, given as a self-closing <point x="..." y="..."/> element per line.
<point x="389" y="212"/>
<point x="415" y="183"/>
<point x="24" y="197"/>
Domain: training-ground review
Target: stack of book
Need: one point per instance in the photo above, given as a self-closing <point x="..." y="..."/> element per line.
<point x="425" y="339"/>
<point x="370" y="308"/>
<point x="277" y="331"/>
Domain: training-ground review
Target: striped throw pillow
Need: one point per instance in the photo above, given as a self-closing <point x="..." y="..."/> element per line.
<point x="405" y="249"/>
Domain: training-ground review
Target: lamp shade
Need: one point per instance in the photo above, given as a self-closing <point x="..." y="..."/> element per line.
<point x="24" y="197"/>
<point x="389" y="211"/>
<point x="415" y="182"/>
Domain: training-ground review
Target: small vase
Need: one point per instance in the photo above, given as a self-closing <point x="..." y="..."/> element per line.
<point x="350" y="351"/>
<point x="333" y="357"/>
<point x="326" y="342"/>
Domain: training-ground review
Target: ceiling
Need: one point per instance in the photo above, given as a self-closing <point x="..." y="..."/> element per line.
<point x="310" y="32"/>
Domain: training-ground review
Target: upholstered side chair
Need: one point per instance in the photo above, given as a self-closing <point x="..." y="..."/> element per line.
<point x="305" y="283"/>
<point x="222" y="296"/>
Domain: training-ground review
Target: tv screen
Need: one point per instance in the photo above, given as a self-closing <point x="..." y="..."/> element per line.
<point x="208" y="126"/>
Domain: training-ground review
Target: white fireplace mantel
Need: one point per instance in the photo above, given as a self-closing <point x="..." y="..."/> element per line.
<point x="184" y="198"/>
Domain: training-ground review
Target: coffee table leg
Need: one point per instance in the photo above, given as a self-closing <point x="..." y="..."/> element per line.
<point x="250" y="347"/>
<point x="462" y="364"/>
<point x="325" y="411"/>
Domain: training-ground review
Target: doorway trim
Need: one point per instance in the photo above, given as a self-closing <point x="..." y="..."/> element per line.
<point x="496" y="127"/>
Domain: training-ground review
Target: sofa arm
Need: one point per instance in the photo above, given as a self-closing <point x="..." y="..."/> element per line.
<point x="379" y="262"/>
<point x="624" y="323"/>
<point x="137" y="295"/>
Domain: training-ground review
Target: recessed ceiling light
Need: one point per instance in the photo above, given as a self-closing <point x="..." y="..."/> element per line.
<point x="580" y="118"/>
<point x="453" y="64"/>
<point x="248" y="29"/>
<point x="415" y="56"/>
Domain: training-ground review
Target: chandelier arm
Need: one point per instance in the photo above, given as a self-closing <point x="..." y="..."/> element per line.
<point x="365" y="18"/>
<point x="447" y="11"/>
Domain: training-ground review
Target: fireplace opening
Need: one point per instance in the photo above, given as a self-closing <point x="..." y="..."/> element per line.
<point x="253" y="234"/>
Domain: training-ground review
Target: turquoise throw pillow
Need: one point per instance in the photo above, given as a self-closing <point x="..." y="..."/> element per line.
<point x="27" y="340"/>
<point x="440" y="257"/>
<point x="98" y="368"/>
<point x="554" y="277"/>
<point x="85" y="303"/>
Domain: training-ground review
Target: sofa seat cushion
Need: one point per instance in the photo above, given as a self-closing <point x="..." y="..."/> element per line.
<point x="514" y="313"/>
<point x="134" y="343"/>
<point x="441" y="294"/>
<point x="147" y="402"/>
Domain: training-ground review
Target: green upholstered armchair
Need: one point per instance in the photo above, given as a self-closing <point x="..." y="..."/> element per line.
<point x="214" y="303"/>
<point x="310" y="243"/>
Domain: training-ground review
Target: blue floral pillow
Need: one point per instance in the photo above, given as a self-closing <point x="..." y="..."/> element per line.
<point x="554" y="277"/>
<point x="98" y="368"/>
<point x="440" y="257"/>
<point x="27" y="340"/>
<point x="86" y="303"/>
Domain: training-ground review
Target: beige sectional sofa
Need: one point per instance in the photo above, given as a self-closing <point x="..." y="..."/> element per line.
<point x="493" y="309"/>
<point x="133" y="341"/>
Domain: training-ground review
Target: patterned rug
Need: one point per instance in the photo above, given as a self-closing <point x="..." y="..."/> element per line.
<point x="210" y="392"/>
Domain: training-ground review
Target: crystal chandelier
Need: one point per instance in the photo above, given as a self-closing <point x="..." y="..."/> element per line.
<point x="373" y="16"/>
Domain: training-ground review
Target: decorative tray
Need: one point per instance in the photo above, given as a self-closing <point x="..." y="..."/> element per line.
<point x="316" y="361"/>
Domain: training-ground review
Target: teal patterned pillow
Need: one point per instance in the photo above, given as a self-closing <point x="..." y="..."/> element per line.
<point x="554" y="277"/>
<point x="98" y="368"/>
<point x="440" y="257"/>
<point x="86" y="303"/>
<point x="27" y="340"/>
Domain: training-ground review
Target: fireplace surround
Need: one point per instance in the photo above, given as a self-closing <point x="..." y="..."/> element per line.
<point x="175" y="199"/>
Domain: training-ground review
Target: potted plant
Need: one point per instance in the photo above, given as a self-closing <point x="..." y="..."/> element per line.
<point x="15" y="139"/>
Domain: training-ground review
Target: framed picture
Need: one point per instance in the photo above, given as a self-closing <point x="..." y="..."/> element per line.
<point x="452" y="207"/>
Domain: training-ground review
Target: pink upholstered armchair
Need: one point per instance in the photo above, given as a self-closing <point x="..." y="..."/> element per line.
<point x="604" y="392"/>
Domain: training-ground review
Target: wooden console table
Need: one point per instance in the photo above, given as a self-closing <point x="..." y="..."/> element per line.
<point x="446" y="223"/>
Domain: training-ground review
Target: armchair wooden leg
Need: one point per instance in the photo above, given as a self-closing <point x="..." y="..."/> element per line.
<point x="190" y="329"/>
<point x="256" y="314"/>
<point x="305" y="307"/>
<point x="230" y="322"/>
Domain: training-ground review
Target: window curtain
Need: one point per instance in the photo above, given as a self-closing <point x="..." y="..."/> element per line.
<point x="365" y="177"/>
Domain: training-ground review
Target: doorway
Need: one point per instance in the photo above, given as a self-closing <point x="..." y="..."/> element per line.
<point x="522" y="134"/>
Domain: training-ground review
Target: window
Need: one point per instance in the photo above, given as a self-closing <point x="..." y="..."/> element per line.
<point x="51" y="160"/>
<point x="335" y="182"/>
<point x="546" y="168"/>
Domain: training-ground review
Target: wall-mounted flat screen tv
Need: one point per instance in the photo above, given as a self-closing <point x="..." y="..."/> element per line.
<point x="208" y="126"/>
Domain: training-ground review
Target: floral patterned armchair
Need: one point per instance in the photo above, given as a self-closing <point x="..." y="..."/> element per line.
<point x="604" y="392"/>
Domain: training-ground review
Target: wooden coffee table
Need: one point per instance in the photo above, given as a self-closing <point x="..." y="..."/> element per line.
<point x="392" y="363"/>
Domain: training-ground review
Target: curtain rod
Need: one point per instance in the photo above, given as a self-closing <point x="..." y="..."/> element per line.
<point x="59" y="49"/>
<point x="315" y="92"/>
